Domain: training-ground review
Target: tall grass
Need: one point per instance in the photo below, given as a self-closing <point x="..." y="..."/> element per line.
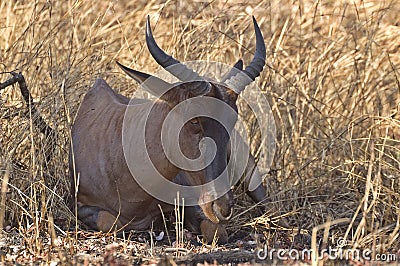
<point x="332" y="80"/>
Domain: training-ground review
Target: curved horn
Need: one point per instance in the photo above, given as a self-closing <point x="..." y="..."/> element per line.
<point x="172" y="65"/>
<point x="238" y="82"/>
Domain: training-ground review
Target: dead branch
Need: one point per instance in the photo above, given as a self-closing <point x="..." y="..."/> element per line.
<point x="38" y="120"/>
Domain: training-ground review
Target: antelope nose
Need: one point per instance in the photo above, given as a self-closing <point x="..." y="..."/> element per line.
<point x="223" y="207"/>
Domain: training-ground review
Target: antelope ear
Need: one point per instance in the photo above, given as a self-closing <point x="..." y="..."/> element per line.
<point x="239" y="64"/>
<point x="138" y="76"/>
<point x="151" y="84"/>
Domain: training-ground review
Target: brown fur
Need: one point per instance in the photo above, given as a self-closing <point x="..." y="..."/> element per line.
<point x="98" y="159"/>
<point x="211" y="231"/>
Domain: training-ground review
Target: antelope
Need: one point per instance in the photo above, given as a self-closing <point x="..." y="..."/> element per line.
<point x="109" y="196"/>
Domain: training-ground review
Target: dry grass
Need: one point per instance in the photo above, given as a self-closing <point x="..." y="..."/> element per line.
<point x="333" y="82"/>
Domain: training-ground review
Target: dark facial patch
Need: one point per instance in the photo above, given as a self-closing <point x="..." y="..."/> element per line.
<point x="223" y="93"/>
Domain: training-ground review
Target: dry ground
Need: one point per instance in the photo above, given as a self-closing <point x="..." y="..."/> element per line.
<point x="332" y="80"/>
